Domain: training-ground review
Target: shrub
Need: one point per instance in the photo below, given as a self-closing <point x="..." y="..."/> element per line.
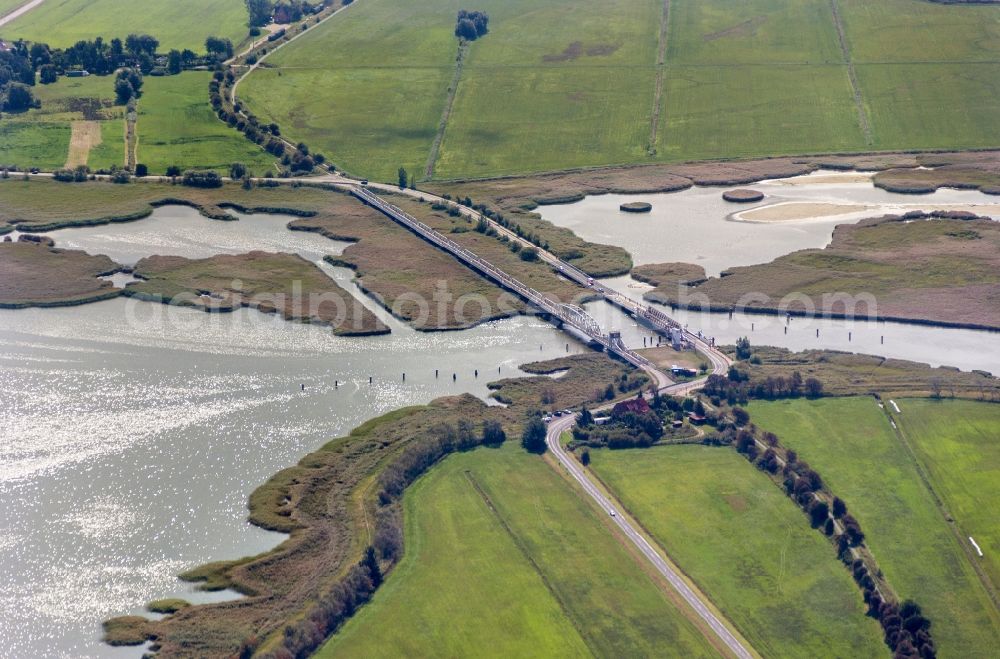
<point x="529" y="254"/>
<point x="197" y="179"/>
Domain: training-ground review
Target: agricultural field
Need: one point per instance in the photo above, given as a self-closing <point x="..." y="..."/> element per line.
<point x="520" y="566"/>
<point x="557" y="85"/>
<point x="45" y="137"/>
<point x="7" y="6"/>
<point x="958" y="442"/>
<point x="747" y="546"/>
<point x="737" y="111"/>
<point x="850" y="442"/>
<point x="176" y="23"/>
<point x="176" y="126"/>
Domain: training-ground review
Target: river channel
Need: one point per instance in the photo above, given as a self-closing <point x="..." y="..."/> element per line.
<point x="697" y="226"/>
<point x="131" y="433"/>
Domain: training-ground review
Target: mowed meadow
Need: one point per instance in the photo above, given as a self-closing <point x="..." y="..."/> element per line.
<point x="176" y="126"/>
<point x="862" y="459"/>
<point x="519" y="565"/>
<point x="559" y="84"/>
<point x="747" y="546"/>
<point x="176" y="23"/>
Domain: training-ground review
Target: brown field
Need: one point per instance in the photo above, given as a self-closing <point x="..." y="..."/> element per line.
<point x="285" y="284"/>
<point x="327" y="504"/>
<point x="391" y="263"/>
<point x="972" y="170"/>
<point x="585" y="380"/>
<point x="85" y="135"/>
<point x="535" y="274"/>
<point x="848" y="374"/>
<point x="940" y="271"/>
<point x="37" y="275"/>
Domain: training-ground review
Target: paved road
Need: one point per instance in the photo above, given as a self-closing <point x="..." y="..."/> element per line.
<point x="568" y="314"/>
<point x="562" y="424"/>
<point x="20" y="11"/>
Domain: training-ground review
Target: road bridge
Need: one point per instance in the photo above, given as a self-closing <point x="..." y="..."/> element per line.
<point x="568" y="314"/>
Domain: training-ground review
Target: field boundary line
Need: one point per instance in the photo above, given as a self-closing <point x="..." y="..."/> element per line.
<point x="463" y="51"/>
<point x="661" y="71"/>
<point x="581" y="629"/>
<point x="859" y="103"/>
<point x="939" y="503"/>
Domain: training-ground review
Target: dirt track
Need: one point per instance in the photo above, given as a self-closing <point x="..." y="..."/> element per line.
<point x="85" y="136"/>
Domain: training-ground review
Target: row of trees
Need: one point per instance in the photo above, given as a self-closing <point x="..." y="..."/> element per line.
<point x="739" y="387"/>
<point x="298" y="159"/>
<point x="137" y="51"/>
<point x="262" y="12"/>
<point x="906" y="631"/>
<point x="302" y="637"/>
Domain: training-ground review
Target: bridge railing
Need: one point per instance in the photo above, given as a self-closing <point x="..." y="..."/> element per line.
<point x="501" y="277"/>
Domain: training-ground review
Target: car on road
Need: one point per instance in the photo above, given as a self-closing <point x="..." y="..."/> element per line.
<point x="611" y="512"/>
<point x="547" y="418"/>
<point x="568" y="412"/>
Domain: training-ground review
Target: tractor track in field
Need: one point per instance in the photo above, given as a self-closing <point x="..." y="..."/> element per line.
<point x="661" y="71"/>
<point x="463" y="51"/>
<point x="582" y="629"/>
<point x="859" y="102"/>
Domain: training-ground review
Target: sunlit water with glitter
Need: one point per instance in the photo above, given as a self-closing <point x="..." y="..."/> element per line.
<point x="132" y="433"/>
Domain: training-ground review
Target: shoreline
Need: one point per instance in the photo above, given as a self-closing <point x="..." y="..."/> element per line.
<point x="774" y="311"/>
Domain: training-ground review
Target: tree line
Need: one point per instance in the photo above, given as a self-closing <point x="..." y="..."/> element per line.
<point x="302" y="637"/>
<point x="263" y="12"/>
<point x="906" y="631"/>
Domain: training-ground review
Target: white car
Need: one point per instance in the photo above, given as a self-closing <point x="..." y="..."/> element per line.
<point x="612" y="513"/>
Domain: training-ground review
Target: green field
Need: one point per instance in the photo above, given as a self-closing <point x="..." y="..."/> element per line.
<point x="547" y="580"/>
<point x="958" y="442"/>
<point x="176" y="23"/>
<point x="850" y="443"/>
<point x="744" y="111"/>
<point x="531" y="99"/>
<point x="41" y="138"/>
<point x="907" y="109"/>
<point x="919" y="31"/>
<point x="560" y="84"/>
<point x="748" y="547"/>
<point x="528" y="99"/>
<point x="7" y="6"/>
<point x="176" y="126"/>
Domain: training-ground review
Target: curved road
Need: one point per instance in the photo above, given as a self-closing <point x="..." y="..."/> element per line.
<point x="720" y="364"/>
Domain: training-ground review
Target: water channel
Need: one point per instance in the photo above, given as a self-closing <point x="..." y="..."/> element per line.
<point x="698" y="226"/>
<point x="131" y="433"/>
